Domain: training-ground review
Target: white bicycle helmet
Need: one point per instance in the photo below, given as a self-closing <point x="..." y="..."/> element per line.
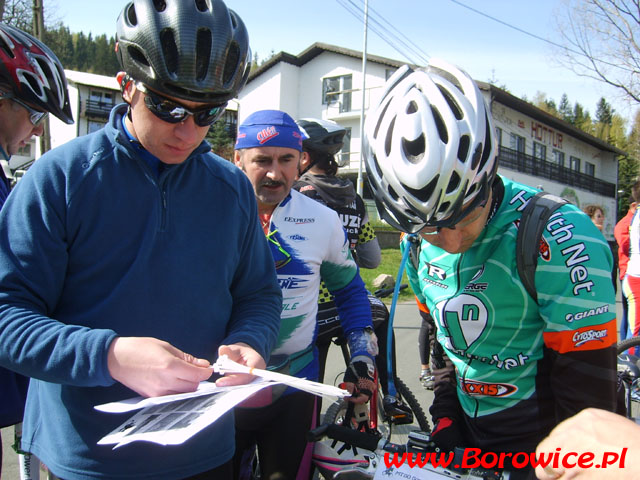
<point x="429" y="147"/>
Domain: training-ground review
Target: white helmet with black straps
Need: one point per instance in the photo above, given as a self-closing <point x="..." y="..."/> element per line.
<point x="430" y="149"/>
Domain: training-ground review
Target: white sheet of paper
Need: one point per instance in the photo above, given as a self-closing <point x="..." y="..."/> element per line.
<point x="172" y="423"/>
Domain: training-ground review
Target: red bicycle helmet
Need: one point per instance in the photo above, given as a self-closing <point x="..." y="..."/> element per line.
<point x="31" y="72"/>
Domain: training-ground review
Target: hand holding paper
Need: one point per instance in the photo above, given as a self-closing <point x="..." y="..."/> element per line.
<point x="224" y="365"/>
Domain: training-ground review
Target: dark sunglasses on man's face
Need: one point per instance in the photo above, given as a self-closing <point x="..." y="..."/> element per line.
<point x="35" y="117"/>
<point x="171" y="111"/>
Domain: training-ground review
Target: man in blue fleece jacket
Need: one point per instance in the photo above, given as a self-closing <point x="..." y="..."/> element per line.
<point x="132" y="257"/>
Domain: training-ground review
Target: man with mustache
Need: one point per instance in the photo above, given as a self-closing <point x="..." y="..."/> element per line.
<point x="308" y="244"/>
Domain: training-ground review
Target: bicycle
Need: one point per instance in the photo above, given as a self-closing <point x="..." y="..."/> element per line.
<point x="429" y="463"/>
<point x="392" y="410"/>
<point x="629" y="376"/>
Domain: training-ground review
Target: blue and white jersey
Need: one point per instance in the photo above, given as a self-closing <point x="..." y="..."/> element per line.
<point x="309" y="244"/>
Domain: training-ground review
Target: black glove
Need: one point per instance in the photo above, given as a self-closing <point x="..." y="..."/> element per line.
<point x="361" y="373"/>
<point x="446" y="434"/>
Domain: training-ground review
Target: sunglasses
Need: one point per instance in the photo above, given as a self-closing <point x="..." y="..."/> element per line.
<point x="171" y="111"/>
<point x="35" y="117"/>
<point x="285" y="257"/>
<point x="456" y="223"/>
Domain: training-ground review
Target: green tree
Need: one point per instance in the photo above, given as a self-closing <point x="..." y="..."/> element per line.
<point x="565" y="110"/>
<point x="221" y="140"/>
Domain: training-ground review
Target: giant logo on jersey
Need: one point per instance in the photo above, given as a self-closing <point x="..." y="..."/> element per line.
<point x="463" y="319"/>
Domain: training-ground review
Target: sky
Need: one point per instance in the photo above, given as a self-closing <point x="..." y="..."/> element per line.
<point x="486" y="49"/>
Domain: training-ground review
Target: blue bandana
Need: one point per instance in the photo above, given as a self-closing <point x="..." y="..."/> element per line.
<point x="269" y="128"/>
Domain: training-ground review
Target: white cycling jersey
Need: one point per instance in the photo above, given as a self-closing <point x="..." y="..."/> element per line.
<point x="308" y="244"/>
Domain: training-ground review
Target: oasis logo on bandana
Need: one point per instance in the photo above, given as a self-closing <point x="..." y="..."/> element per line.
<point x="483" y="389"/>
<point x="266" y="134"/>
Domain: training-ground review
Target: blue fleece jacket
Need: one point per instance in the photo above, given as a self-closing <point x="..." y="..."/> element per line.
<point x="94" y="245"/>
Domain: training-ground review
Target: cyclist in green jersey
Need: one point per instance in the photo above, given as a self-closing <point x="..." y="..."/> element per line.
<point x="514" y="367"/>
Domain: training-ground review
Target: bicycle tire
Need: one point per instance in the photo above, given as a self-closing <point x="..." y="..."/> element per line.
<point x="627" y="343"/>
<point x="410" y="399"/>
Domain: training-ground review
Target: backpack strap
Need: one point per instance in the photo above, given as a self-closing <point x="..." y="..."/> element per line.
<point x="532" y="223"/>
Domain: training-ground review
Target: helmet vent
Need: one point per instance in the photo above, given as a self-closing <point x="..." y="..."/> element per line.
<point x="453" y="105"/>
<point x="412" y="107"/>
<point x="414" y="149"/>
<point x="160" y="5"/>
<point x="423" y="194"/>
<point x="5" y="48"/>
<point x="375" y="164"/>
<point x="388" y="138"/>
<point x="132" y="18"/>
<point x="442" y="128"/>
<point x="487" y="143"/>
<point x="454" y="182"/>
<point x="170" y="50"/>
<point x="444" y="207"/>
<point x="393" y="193"/>
<point x="234" y="20"/>
<point x="33" y="83"/>
<point x="230" y="67"/>
<point x="203" y="53"/>
<point x="137" y="56"/>
<point x="477" y="155"/>
<point x="463" y="148"/>
<point x="380" y="117"/>
<point x="202" y="5"/>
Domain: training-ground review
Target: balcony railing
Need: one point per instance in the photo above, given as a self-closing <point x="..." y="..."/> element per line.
<point x="95" y="108"/>
<point x="537" y="167"/>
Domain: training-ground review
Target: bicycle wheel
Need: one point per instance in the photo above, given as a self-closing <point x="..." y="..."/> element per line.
<point x="629" y="376"/>
<point x="410" y="399"/>
<point x="627" y="344"/>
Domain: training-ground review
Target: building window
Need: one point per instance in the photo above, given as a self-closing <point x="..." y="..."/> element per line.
<point x="388" y="72"/>
<point x="558" y="157"/>
<point x="24" y="151"/>
<point x="99" y="103"/>
<point x="539" y="151"/>
<point x="589" y="169"/>
<point x="499" y="136"/>
<point x="574" y="163"/>
<point x="337" y="90"/>
<point x="93" y="126"/>
<point x="517" y="143"/>
<point x="345" y="152"/>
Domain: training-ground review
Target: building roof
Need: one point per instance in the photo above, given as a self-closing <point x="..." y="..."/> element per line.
<point x="313" y="51"/>
<point x="527" y="108"/>
<point x="495" y="93"/>
<point x="91" y="79"/>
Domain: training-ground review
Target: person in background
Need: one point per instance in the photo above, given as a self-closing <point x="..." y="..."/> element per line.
<point x="519" y="365"/>
<point x="32" y="85"/>
<point x="621" y="234"/>
<point x="596" y="214"/>
<point x="309" y="245"/>
<point x="318" y="180"/>
<point x="631" y="281"/>
<point x="129" y="256"/>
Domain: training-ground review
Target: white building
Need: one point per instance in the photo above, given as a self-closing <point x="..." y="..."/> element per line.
<point x="537" y="149"/>
<point x="325" y="81"/>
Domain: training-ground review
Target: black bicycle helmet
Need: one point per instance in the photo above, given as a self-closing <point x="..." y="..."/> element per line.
<point x="31" y="72"/>
<point x="196" y="50"/>
<point x="323" y="135"/>
<point x="430" y="147"/>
